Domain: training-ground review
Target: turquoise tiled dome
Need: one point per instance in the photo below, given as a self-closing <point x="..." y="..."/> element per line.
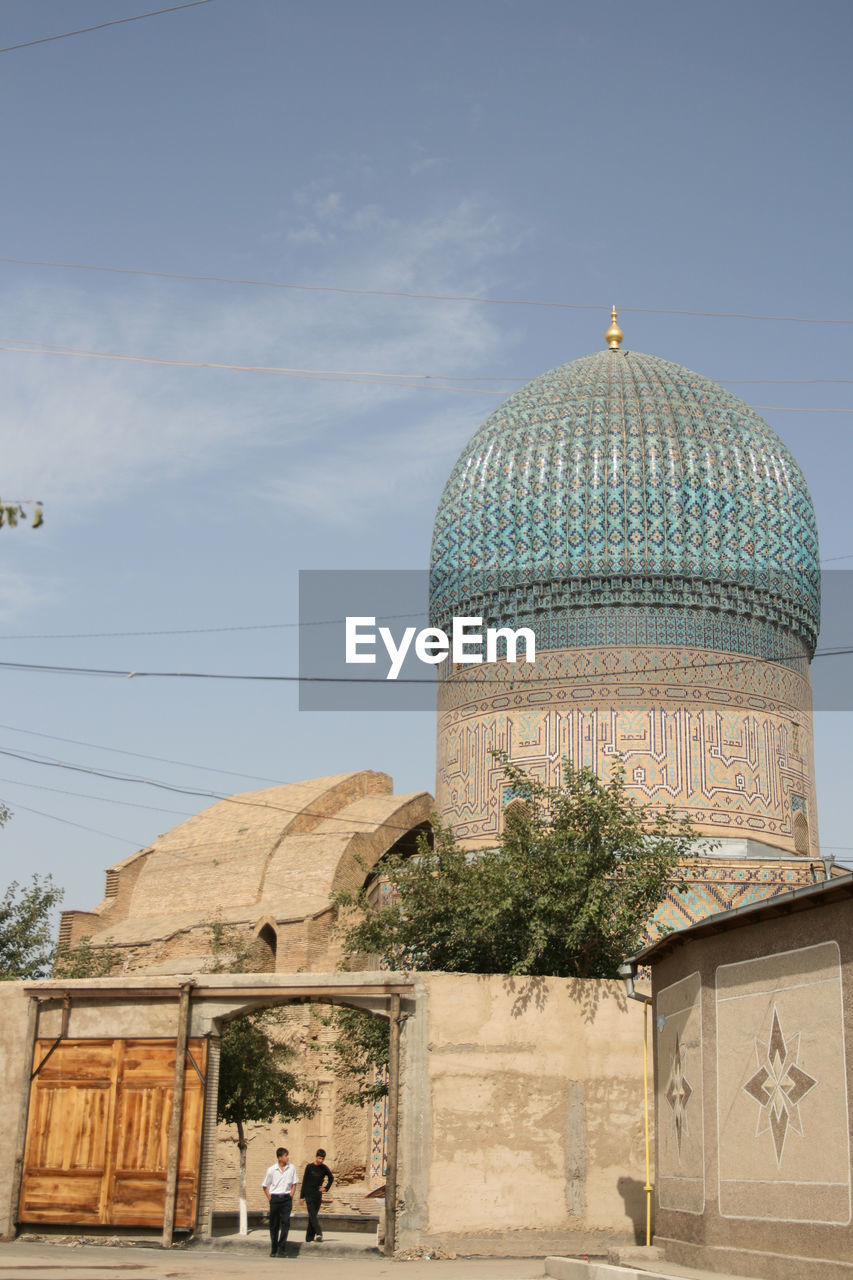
<point x="624" y="480"/>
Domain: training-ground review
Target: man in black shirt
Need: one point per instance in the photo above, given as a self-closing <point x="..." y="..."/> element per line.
<point x="316" y="1173"/>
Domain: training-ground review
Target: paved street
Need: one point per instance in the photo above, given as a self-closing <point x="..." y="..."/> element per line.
<point x="25" y="1260"/>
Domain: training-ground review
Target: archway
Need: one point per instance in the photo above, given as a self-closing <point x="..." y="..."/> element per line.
<point x="114" y="1013"/>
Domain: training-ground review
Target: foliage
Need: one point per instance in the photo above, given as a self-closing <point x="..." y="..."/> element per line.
<point x="254" y="1081"/>
<point x="84" y="960"/>
<point x="12" y="512"/>
<point x="26" y="929"/>
<point x="359" y="1054"/>
<point x="569" y="891"/>
<point x="229" y="952"/>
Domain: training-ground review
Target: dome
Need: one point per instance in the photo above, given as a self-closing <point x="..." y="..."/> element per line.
<point x="621" y="479"/>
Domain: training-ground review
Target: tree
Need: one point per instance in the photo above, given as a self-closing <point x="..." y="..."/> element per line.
<point x="12" y="512"/>
<point x="26" y="927"/>
<point x="255" y="1084"/>
<point x="359" y="1053"/>
<point x="569" y="891"/>
<point x="84" y="960"/>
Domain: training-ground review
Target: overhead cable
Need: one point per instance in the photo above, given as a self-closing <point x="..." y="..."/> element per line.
<point x="427" y="297"/>
<point x="99" y="26"/>
<point x="119" y="673"/>
<point x="402" y="381"/>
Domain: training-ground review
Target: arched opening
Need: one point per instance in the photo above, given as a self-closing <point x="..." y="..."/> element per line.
<point x="516" y="811"/>
<point x="801" y="833"/>
<point x="345" y="1115"/>
<point x="264" y="949"/>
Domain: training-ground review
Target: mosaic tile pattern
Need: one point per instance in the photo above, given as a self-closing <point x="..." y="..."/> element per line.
<point x="624" y="480"/>
<point x="727" y="740"/>
<point x="724" y="885"/>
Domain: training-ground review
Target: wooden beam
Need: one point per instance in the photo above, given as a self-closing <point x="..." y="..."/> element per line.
<point x="23" y="1111"/>
<point x="318" y="992"/>
<point x="177" y="1115"/>
<point x="391" y="1132"/>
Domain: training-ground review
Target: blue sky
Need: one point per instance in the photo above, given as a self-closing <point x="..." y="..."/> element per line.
<point x="664" y="156"/>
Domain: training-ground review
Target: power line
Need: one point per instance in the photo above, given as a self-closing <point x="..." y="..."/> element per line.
<point x="256" y="626"/>
<point x="138" y="755"/>
<point x="123" y="674"/>
<point x="82" y="795"/>
<point x="68" y="823"/>
<point x="403" y="381"/>
<point x="400" y="293"/>
<point x="198" y="631"/>
<point x="99" y="26"/>
<point x="276" y="371"/>
<point x="356" y="824"/>
<point x="150" y="782"/>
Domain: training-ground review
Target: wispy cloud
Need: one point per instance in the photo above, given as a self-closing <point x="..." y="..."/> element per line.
<point x="80" y="428"/>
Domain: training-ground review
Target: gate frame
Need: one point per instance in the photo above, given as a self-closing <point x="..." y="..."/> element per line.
<point x="205" y="1002"/>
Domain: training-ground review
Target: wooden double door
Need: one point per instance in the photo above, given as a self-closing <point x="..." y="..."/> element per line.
<point x="98" y="1133"/>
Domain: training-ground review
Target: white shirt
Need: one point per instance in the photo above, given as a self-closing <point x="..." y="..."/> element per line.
<point x="280" y="1181"/>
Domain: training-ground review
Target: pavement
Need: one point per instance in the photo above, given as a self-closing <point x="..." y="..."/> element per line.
<point x="36" y="1260"/>
<point x="341" y="1256"/>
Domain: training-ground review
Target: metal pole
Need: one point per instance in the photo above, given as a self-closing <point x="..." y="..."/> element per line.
<point x="177" y="1115"/>
<point x="24" y="1110"/>
<point x="391" y="1136"/>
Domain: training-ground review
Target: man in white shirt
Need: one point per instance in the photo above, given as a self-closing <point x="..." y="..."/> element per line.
<point x="278" y="1184"/>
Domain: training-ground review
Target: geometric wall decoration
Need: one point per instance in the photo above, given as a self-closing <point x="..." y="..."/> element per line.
<point x="679" y="1107"/>
<point x="726" y="741"/>
<point x="782" y="1088"/>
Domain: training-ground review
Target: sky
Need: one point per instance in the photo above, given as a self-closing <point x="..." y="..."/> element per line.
<point x="672" y="159"/>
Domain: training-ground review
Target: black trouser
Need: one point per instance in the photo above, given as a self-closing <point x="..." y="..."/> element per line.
<point x="280" y="1207"/>
<point x="312" y="1204"/>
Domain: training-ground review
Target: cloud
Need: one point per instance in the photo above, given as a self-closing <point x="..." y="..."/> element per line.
<point x="20" y="593"/>
<point x="425" y="164"/>
<point x="87" y="429"/>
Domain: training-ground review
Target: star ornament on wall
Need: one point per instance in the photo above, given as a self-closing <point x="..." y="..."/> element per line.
<point x="678" y="1092"/>
<point x="778" y="1086"/>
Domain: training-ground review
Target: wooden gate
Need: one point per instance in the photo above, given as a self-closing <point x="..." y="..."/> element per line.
<point x="98" y="1133"/>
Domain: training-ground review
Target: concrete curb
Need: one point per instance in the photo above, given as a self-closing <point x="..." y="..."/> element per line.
<point x="578" y="1269"/>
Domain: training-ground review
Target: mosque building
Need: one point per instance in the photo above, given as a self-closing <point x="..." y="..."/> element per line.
<point x="660" y="541"/>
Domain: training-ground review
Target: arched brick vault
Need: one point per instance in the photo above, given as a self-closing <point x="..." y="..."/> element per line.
<point x="261" y="861"/>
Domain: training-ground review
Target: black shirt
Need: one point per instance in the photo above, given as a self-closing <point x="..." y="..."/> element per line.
<point x="313" y="1177"/>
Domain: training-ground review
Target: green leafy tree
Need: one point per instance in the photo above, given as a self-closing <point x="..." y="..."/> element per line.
<point x="256" y="1084"/>
<point x="84" y="960"/>
<point x="569" y="891"/>
<point x="26" y="926"/>
<point x="13" y="512"/>
<point x="359" y="1054"/>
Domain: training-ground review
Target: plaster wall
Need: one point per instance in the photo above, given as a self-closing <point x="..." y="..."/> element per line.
<point x="522" y="1118"/>
<point x="753" y="1047"/>
<point x="521" y="1103"/>
<point x="13" y="1052"/>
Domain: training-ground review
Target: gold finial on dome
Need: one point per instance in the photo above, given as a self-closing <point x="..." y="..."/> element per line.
<point x="614" y="334"/>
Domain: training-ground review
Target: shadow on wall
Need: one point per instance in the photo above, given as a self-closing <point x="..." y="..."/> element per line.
<point x="633" y="1194"/>
<point x="526" y="991"/>
<point x="587" y="994"/>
